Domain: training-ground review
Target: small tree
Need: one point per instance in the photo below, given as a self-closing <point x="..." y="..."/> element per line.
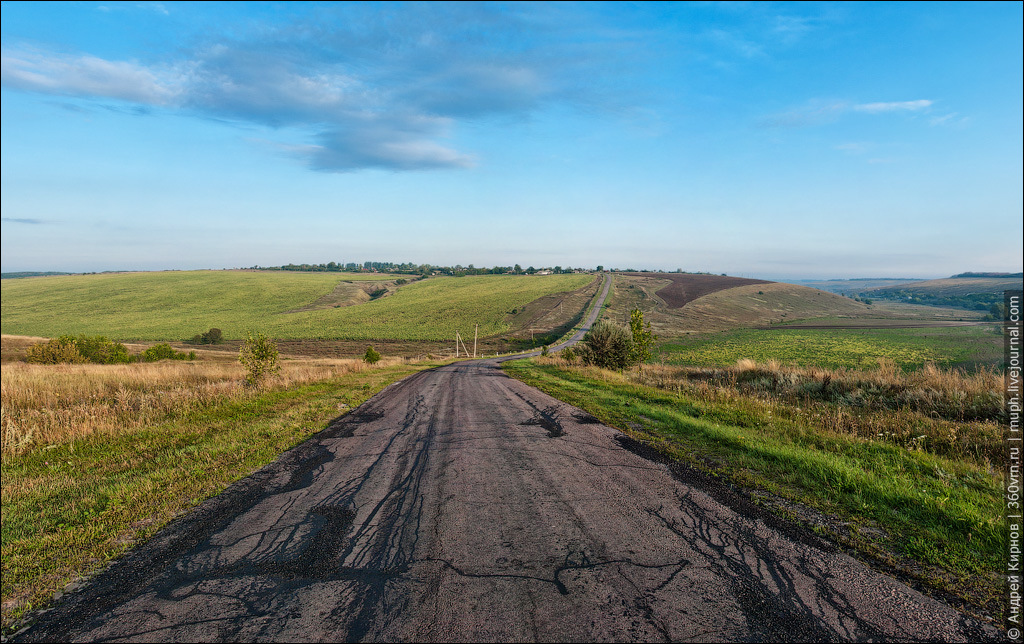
<point x="371" y="356"/>
<point x="259" y="357"/>
<point x="608" y="346"/>
<point x="643" y="338"/>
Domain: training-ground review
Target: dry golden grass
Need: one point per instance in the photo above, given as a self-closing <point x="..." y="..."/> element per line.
<point x="948" y="412"/>
<point x="50" y="404"/>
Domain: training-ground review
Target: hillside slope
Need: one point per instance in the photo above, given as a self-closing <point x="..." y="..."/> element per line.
<point x="735" y="303"/>
<point x="284" y="305"/>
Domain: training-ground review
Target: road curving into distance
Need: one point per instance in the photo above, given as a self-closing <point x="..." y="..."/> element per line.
<point x="460" y="504"/>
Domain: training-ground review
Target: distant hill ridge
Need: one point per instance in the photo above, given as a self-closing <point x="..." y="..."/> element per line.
<point x="16" y="275"/>
<point x="988" y="275"/>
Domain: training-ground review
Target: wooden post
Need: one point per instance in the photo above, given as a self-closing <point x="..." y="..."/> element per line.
<point x="476" y="330"/>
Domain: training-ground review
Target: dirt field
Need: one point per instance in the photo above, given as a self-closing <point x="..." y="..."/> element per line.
<point x="685" y="288"/>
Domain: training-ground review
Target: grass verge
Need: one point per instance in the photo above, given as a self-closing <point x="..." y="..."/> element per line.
<point x="68" y="508"/>
<point x="935" y="520"/>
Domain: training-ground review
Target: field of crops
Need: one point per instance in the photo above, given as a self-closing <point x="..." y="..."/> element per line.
<point x="178" y="305"/>
<point x="908" y="348"/>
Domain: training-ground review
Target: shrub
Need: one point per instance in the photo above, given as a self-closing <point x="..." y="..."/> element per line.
<point x="213" y="336"/>
<point x="164" y="351"/>
<point x="371" y="356"/>
<point x="259" y="357"/>
<point x="62" y="350"/>
<point x="100" y="350"/>
<point x="608" y="346"/>
<point x="71" y="350"/>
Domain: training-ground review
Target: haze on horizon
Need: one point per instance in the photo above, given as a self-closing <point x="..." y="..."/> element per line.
<point x="777" y="140"/>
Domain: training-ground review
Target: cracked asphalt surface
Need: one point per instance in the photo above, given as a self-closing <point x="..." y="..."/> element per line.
<point x="460" y="504"/>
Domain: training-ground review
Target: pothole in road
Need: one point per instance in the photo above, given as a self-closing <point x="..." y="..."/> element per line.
<point x="548" y="422"/>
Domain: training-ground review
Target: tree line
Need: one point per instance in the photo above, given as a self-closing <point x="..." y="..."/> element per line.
<point x="408" y="268"/>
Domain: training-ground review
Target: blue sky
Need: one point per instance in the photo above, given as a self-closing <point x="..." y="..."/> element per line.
<point x="783" y="140"/>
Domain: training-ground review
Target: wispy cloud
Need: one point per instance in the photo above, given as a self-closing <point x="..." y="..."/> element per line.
<point x="819" y="112"/>
<point x="854" y="147"/>
<point x="23" y="220"/>
<point x="897" y="106"/>
<point x="816" y="113"/>
<point x="380" y="91"/>
<point x="63" y="75"/>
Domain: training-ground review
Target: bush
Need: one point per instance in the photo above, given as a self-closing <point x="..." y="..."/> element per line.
<point x="608" y="346"/>
<point x="371" y="356"/>
<point x="71" y="350"/>
<point x="100" y="350"/>
<point x="164" y="351"/>
<point x="62" y="350"/>
<point x="213" y="336"/>
<point x="259" y="357"/>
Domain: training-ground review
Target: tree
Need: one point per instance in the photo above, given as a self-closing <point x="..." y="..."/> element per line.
<point x="608" y="346"/>
<point x="371" y="356"/>
<point x="643" y="338"/>
<point x="259" y="357"/>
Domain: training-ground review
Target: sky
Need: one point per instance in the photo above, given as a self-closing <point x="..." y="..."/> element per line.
<point x="773" y="140"/>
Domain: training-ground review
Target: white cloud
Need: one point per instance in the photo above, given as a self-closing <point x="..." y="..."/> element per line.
<point x="898" y="106"/>
<point x="818" y="112"/>
<point x="854" y="147"/>
<point x="89" y="76"/>
<point x="374" y="88"/>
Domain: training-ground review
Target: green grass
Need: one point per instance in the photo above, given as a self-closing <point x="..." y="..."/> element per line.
<point x="178" y="305"/>
<point x="70" y="508"/>
<point x="939" y="512"/>
<point x="858" y="348"/>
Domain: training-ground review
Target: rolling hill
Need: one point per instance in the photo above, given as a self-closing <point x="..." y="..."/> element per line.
<point x="681" y="304"/>
<point x="284" y="305"/>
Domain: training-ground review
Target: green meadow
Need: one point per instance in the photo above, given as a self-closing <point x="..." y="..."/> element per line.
<point x="833" y="348"/>
<point x="178" y="305"/>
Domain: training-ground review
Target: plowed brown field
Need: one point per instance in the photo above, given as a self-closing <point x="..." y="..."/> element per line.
<point x="686" y="287"/>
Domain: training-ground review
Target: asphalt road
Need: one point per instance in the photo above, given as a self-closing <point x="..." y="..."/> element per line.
<point x="460" y="504"/>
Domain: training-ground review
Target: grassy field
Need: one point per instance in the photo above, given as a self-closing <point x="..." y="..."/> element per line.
<point x="178" y="305"/>
<point x="99" y="457"/>
<point x="936" y="518"/>
<point x="966" y="346"/>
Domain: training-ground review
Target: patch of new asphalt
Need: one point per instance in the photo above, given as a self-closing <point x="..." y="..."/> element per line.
<point x="460" y="504"/>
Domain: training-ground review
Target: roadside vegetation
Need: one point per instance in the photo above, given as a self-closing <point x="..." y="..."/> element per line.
<point x="98" y="457"/>
<point x="903" y="467"/>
